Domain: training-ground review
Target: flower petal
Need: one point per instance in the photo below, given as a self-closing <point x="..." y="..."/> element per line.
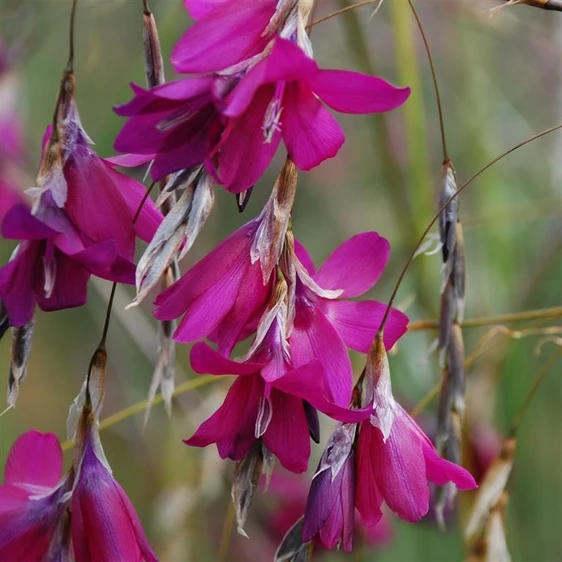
<point x="16" y="283"/>
<point x="357" y="322"/>
<point x="316" y="338"/>
<point x="356" y="265"/>
<point x="287" y="433"/>
<point x="441" y="471"/>
<point x="243" y="153"/>
<point x="232" y="34"/>
<point x="95" y="204"/>
<point x="201" y="8"/>
<point x="70" y="285"/>
<point x="20" y="224"/>
<point x="310" y="132"/>
<point x="133" y="193"/>
<point x="35" y="458"/>
<point x="353" y="92"/>
<point x="304" y="257"/>
<point x="206" y="360"/>
<point x="210" y="270"/>
<point x="400" y="470"/>
<point x="307" y="382"/>
<point x="368" y="498"/>
<point x="232" y="425"/>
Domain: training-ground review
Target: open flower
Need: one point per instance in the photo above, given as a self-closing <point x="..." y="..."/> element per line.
<point x="395" y="459"/>
<point x="327" y="322"/>
<point x="233" y="122"/>
<point x="267" y="401"/>
<point x="279" y="98"/>
<point x="31" y="499"/>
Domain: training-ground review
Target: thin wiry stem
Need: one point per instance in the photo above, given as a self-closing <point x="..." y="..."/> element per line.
<point x="443" y="207"/>
<point x="70" y="63"/>
<point x="340" y="11"/>
<point x="146" y="7"/>
<point x="540" y="377"/>
<point x="539" y="314"/>
<point x="435" y="85"/>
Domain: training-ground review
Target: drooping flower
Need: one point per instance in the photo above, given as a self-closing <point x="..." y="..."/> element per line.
<point x="31" y="499"/>
<point x="330" y="509"/>
<point x="234" y="122"/>
<point x="219" y="294"/>
<point x="267" y="401"/>
<point x="395" y="459"/>
<point x="280" y="98"/>
<point x="104" y="523"/>
<point x="53" y="263"/>
<point x="81" y="223"/>
<point x="327" y="322"/>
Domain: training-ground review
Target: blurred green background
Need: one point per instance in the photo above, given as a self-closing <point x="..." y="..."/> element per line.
<point x="500" y="80"/>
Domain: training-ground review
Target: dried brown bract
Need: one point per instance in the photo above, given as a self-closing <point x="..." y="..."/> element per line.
<point x="247" y="474"/>
<point x="21" y="348"/>
<point x="491" y="489"/>
<point x="292" y="547"/>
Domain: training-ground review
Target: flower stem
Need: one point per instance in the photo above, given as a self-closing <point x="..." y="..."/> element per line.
<point x="538" y="314"/>
<point x="540" y="377"/>
<point x="226" y="533"/>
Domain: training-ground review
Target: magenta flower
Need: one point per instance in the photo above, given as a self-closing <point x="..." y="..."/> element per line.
<point x="266" y="401"/>
<point x="327" y="323"/>
<point x="30" y="499"/>
<point x="225" y="33"/>
<point x="395" y="459"/>
<point x="53" y="263"/>
<point x="280" y="98"/>
<point x="220" y="294"/>
<point x="330" y="509"/>
<point x="81" y="225"/>
<point x="170" y="123"/>
<point x="104" y="524"/>
<point x="233" y="123"/>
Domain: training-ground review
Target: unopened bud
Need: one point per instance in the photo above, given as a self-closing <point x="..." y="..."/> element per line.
<point x="153" y="63"/>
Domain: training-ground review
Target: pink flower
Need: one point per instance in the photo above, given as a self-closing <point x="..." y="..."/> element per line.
<point x="330" y="509"/>
<point x="327" y="322"/>
<point x="220" y="294"/>
<point x="170" y="123"/>
<point x="233" y="122"/>
<point x="104" y="524"/>
<point x="395" y="459"/>
<point x="266" y="402"/>
<point x="225" y="33"/>
<point x="53" y="263"/>
<point x="82" y="224"/>
<point x="30" y="499"/>
<point x="280" y="98"/>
